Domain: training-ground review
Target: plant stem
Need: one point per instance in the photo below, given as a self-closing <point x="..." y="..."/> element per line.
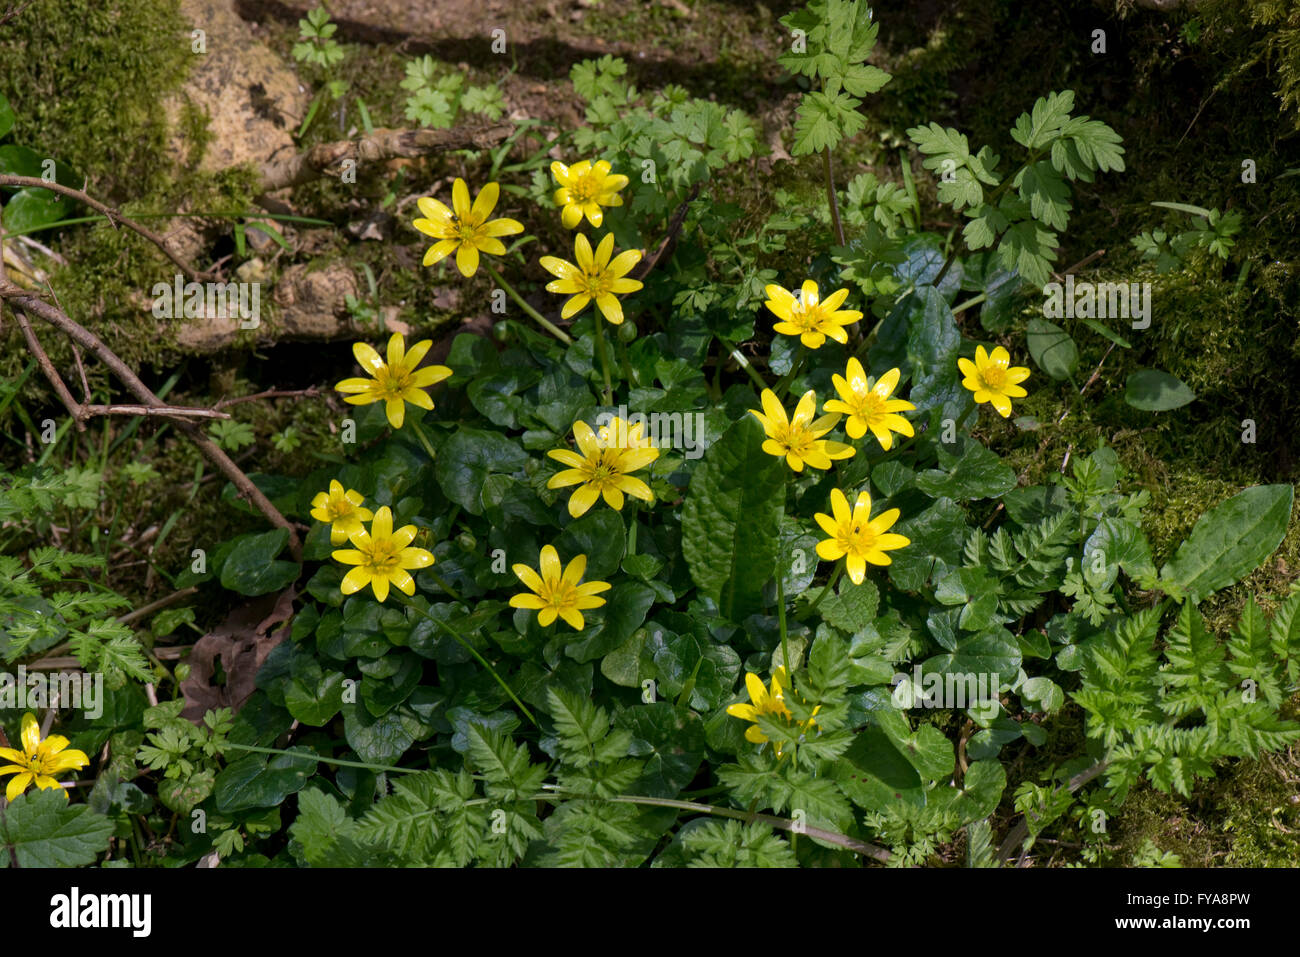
<point x="443" y="584"/>
<point x="966" y="415"/>
<point x="780" y="589"/>
<point x="603" y="355"/>
<point x="621" y="348"/>
<point x="744" y="363"/>
<point x="830" y="584"/>
<point x="473" y="651"/>
<point x="830" y="197"/>
<point x="424" y="439"/>
<point x="319" y="758"/>
<point x="540" y="319"/>
<point x="788" y="379"/>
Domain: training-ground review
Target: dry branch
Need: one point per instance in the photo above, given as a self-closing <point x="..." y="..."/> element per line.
<point x="113" y="216"/>
<point x="327" y="159"/>
<point x="19" y="300"/>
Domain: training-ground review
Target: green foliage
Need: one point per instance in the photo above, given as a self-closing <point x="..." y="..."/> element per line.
<point x="1021" y="225"/>
<point x="446" y="726"/>
<point x="831" y="42"/>
<point x="1170" y="716"/>
<point x="315" y="40"/>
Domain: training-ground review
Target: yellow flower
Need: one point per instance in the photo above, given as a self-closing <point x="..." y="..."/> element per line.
<point x="382" y="557"/>
<point x="857" y="535"/>
<point x="556" y="591"/>
<point x="396" y="381"/>
<point x="993" y="379"/>
<point x="464" y="229"/>
<point x="808" y="316"/>
<point x="342" y="509"/>
<point x="600" y="467"/>
<point x="584" y="188"/>
<point x="39" y="761"/>
<point x="763" y="702"/>
<point x="870" y="406"/>
<point x="799" y="439"/>
<point x="594" y="277"/>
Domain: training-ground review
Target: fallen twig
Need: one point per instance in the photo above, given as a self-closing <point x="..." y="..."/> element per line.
<point x="92" y="343"/>
<point x="327" y="159"/>
<point x="114" y="217"/>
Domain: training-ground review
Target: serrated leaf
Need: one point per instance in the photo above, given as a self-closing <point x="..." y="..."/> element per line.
<point x="42" y="829"/>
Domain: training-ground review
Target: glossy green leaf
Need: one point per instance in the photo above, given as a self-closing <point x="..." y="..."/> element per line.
<point x="251" y="567"/>
<point x="731" y="520"/>
<point x="258" y="781"/>
<point x="1052" y="349"/>
<point x="1154" y="391"/>
<point x="1229" y="542"/>
<point x="467" y="458"/>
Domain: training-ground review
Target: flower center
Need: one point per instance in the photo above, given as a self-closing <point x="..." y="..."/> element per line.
<point x="468" y="231"/>
<point x="596" y="283"/>
<point x="391" y="383"/>
<point x="342" y="507"/>
<point x="869" y="404"/>
<point x="807" y="316"/>
<point x="995" y="377"/>
<point x="603" y="470"/>
<point x="584" y="190"/>
<point x="860" y="539"/>
<point x="382" y="557"/>
<point x="560" y="594"/>
<point x="795" y="438"/>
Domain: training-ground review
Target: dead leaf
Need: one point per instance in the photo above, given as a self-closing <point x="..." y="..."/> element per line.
<point x="243" y="643"/>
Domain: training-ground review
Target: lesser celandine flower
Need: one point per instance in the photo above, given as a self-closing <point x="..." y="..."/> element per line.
<point x="464" y="229"/>
<point x="810" y="317"/>
<point x="869" y="406"/>
<point x="799" y="439"/>
<point x="584" y="188"/>
<point x="993" y="379"/>
<point x="39" y="761"/>
<point x="383" y="557"/>
<point x="395" y="382"/>
<point x="342" y="509"/>
<point x="764" y="702"/>
<point x="857" y="537"/>
<point x="558" y="591"/>
<point x="600" y="467"/>
<point x="594" y="277"/>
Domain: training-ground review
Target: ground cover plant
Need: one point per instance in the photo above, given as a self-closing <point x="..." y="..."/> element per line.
<point x="710" y="530"/>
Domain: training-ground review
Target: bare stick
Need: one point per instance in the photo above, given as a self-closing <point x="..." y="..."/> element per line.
<point x="92" y="343"/>
<point x="309" y="393"/>
<point x="51" y="373"/>
<point x="114" y="217"/>
<point x="327" y="158"/>
<point x="167" y="411"/>
<point x="146" y="610"/>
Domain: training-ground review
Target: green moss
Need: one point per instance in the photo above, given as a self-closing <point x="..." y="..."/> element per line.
<point x="87" y="79"/>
